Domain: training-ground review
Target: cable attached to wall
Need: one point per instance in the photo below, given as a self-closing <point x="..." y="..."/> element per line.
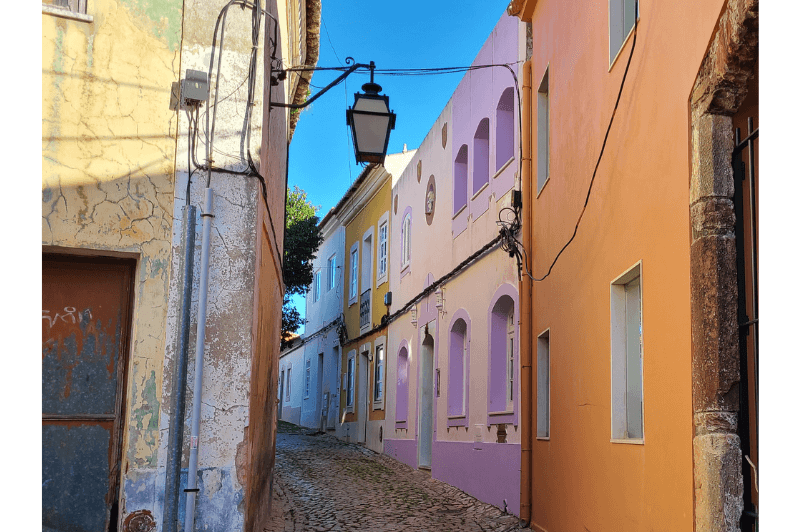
<point x="510" y="228"/>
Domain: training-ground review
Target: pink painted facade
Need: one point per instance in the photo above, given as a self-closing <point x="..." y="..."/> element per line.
<point x="452" y="369"/>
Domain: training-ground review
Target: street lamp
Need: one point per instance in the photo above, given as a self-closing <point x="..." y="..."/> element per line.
<point x="371" y="121"/>
<point x="369" y="118"/>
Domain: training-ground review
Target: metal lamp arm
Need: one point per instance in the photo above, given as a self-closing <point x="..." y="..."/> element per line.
<point x="332" y="84"/>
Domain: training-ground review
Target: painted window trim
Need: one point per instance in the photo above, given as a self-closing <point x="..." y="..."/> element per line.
<point x="613" y="62"/>
<point x="549" y="386"/>
<point x="636" y="271"/>
<point x="307" y="383"/>
<point x="383" y="278"/>
<point x="331" y="272"/>
<point x="379" y="404"/>
<point x="352" y="298"/>
<point x="369" y="233"/>
<point x="502" y="168"/>
<point x="351" y="382"/>
<point x="494" y="417"/>
<point x="66" y="13"/>
<point x="480" y="190"/>
<point x="548" y="153"/>
<point x="317" y="286"/>
<point x="406" y="265"/>
<point x="288" y="382"/>
<point x="403" y="423"/>
<point x="461" y="420"/>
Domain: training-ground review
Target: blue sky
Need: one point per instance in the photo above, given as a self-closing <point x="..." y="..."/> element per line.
<point x="410" y="34"/>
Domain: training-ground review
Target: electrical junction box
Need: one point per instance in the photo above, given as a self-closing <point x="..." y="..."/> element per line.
<point x="195" y="87"/>
<point x="175" y="98"/>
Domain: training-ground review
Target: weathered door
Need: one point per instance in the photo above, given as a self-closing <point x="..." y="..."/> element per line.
<point x="85" y="331"/>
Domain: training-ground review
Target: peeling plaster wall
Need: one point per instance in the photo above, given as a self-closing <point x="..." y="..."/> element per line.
<point x="108" y="148"/>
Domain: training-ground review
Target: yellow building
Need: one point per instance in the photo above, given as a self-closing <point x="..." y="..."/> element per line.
<point x="365" y="213"/>
<point x="117" y="181"/>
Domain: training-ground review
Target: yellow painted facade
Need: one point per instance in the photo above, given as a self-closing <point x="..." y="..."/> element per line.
<point x="108" y="152"/>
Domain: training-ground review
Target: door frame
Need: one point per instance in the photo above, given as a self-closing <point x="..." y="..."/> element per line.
<point x="130" y="262"/>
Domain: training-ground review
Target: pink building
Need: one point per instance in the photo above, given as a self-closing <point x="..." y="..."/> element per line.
<point x="453" y="371"/>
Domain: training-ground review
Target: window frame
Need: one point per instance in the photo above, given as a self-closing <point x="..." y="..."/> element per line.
<point x="543" y="400"/>
<point x="379" y="403"/>
<point x="402" y="386"/>
<point x="354" y="271"/>
<point x="383" y="249"/>
<point x="405" y="241"/>
<point x="502" y="327"/>
<point x="460" y="419"/>
<point x="543" y="132"/>
<point x="620" y="357"/>
<point x="307" y="377"/>
<point x="317" y="288"/>
<point x="79" y="12"/>
<point x="350" y="392"/>
<point x="289" y="382"/>
<point x="617" y="8"/>
<point x="331" y="272"/>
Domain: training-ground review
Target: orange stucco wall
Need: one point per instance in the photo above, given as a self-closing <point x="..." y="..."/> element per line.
<point x="638" y="211"/>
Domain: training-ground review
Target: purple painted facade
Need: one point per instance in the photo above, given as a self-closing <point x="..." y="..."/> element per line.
<point x="490" y="474"/>
<point x="471" y="154"/>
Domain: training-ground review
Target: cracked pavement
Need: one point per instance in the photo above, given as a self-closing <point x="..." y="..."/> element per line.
<point x="321" y="484"/>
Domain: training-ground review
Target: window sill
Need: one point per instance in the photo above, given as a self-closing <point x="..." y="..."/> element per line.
<point x="501" y="413"/>
<point x="65" y="13"/>
<point x="543" y="438"/>
<point x="628" y="441"/>
<point x="382" y="280"/>
<point x="459" y="211"/>
<point x="352" y="301"/>
<point x="500" y="171"/>
<point x="457" y="421"/>
<point x="539" y="193"/>
<point x="377" y="406"/>
<point x="478" y="192"/>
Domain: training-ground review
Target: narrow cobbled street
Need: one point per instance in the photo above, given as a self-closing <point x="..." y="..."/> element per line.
<point x="324" y="484"/>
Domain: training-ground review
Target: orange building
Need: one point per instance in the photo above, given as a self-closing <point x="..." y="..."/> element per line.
<point x="641" y="404"/>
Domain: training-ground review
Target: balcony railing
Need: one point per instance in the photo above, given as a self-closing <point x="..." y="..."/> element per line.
<point x="365" y="309"/>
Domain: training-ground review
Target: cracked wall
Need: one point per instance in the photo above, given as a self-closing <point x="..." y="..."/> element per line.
<point x="108" y="148"/>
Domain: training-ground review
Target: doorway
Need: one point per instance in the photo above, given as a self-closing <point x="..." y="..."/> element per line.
<point x="363" y="376"/>
<point x="322" y="409"/>
<point x="85" y="335"/>
<point x="426" y="402"/>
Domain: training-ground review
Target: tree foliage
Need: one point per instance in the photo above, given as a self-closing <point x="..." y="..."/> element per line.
<point x="301" y="243"/>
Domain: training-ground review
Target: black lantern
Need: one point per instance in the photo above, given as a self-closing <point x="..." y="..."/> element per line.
<point x="370" y="120"/>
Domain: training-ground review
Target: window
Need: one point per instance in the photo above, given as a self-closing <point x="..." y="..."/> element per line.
<point x="543" y="385"/>
<point x="480" y="157"/>
<point x="627" y="420"/>
<point x="621" y="15"/>
<point x="510" y="361"/>
<point x="317" y="286"/>
<point x="502" y="355"/>
<point x="366" y="261"/>
<point x="460" y="179"/>
<point x="405" y="255"/>
<point x="504" y="129"/>
<point x="308" y="378"/>
<point x="332" y="272"/>
<point x="289" y="383"/>
<point x="379" y="371"/>
<point x="543" y="131"/>
<point x="351" y="380"/>
<point x="353" y="273"/>
<point x="383" y="249"/>
<point x="457" y="366"/>
<point x="75" y="6"/>
<point x="401" y="394"/>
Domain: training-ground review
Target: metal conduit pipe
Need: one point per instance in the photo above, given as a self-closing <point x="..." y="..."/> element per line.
<point x="178" y="400"/>
<point x="191" y="483"/>
<point x="526" y="304"/>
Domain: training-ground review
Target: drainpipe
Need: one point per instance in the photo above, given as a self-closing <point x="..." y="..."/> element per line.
<point x="526" y="304"/>
<point x="191" y="485"/>
<point x="178" y="401"/>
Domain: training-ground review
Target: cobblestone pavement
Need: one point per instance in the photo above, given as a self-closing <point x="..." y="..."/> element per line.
<point x="324" y="484"/>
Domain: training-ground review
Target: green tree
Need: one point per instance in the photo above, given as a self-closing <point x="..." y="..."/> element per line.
<point x="302" y="241"/>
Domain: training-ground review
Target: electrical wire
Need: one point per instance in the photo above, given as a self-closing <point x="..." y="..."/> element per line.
<point x="512" y="244"/>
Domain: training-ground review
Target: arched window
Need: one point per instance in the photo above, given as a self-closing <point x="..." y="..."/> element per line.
<point x="405" y="252"/>
<point x="502" y="355"/>
<point x="457" y="369"/>
<point x="401" y="393"/>
<point x="460" y="179"/>
<point x="480" y="156"/>
<point x="504" y="129"/>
